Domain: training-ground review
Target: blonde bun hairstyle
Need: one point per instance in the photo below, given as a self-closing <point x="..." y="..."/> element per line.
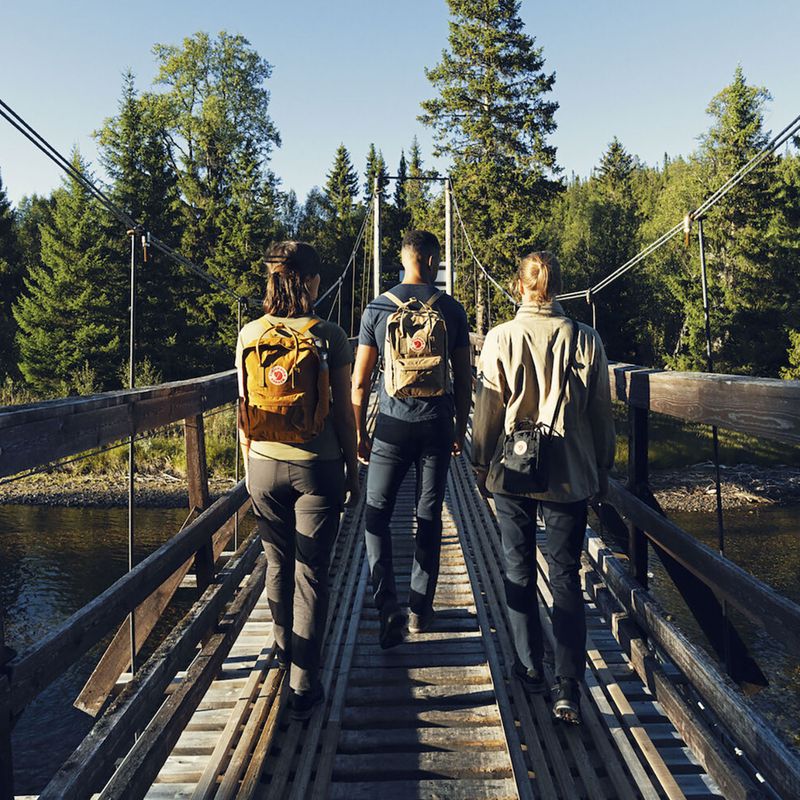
<point x="540" y="275"/>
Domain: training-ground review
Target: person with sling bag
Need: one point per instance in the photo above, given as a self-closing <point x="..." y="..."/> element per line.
<point x="543" y="439"/>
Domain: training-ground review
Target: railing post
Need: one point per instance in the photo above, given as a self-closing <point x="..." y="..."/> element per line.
<point x="638" y="479"/>
<point x="199" y="499"/>
<point x="6" y="756"/>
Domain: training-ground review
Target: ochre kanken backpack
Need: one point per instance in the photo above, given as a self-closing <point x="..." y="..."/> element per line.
<point x="415" y="349"/>
<point x="286" y="385"/>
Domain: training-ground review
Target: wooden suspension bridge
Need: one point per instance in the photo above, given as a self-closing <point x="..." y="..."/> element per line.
<point x="205" y="715"/>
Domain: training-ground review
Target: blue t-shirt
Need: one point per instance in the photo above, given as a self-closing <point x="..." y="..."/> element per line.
<point x="373" y="334"/>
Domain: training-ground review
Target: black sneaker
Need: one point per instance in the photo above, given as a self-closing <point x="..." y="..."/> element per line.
<point x="567" y="705"/>
<point x="303" y="704"/>
<point x="532" y="679"/>
<point x="419" y="623"/>
<point x="393" y="621"/>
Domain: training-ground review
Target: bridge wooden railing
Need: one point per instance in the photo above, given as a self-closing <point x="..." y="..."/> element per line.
<point x="761" y="407"/>
<point x="40" y="433"/>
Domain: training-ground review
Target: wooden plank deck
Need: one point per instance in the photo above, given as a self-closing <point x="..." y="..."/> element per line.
<point x="436" y="716"/>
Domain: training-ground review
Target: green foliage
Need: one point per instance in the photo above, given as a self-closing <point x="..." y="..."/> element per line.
<point x="792" y="371"/>
<point x="493" y="118"/>
<point x="73" y="308"/>
<point x="745" y="284"/>
<point x="213" y="116"/>
<point x="134" y="155"/>
<point x="11" y="274"/>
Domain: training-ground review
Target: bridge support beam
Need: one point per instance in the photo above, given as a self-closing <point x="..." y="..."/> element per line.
<point x="376" y="238"/>
<point x="199" y="498"/>
<point x="448" y="237"/>
<point x="638" y="480"/>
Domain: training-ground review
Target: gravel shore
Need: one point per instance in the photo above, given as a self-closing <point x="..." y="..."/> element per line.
<point x="688" y="489"/>
<point x="104" y="490"/>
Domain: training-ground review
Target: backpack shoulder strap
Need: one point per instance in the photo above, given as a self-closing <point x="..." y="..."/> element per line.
<point x="309" y="325"/>
<point x="570" y="364"/>
<point x="434" y="298"/>
<point x="395" y="299"/>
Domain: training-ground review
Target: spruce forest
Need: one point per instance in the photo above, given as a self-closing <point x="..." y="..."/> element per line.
<point x="190" y="157"/>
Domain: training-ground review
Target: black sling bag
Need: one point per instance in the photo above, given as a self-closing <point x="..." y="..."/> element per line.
<point x="526" y="450"/>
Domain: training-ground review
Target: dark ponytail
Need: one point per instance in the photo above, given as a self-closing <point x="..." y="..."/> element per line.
<point x="290" y="265"/>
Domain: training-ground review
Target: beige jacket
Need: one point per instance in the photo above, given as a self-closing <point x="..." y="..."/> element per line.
<point x="521" y="369"/>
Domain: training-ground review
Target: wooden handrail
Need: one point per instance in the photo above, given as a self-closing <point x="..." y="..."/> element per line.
<point x="778" y="615"/>
<point x="38" y="433"/>
<point x="761" y="744"/>
<point x="30" y="672"/>
<point x="764" y="407"/>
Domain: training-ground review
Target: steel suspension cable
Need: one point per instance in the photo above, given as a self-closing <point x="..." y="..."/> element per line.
<point x="35" y="138"/>
<point x="791" y="130"/>
<point x="475" y="258"/>
<point x="350" y="261"/>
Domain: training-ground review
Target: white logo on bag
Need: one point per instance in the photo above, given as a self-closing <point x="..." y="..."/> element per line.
<point x="417" y="344"/>
<point x="278" y="375"/>
<point x="520" y="447"/>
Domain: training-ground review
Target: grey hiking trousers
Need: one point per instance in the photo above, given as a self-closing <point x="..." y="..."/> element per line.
<point x="297" y="506"/>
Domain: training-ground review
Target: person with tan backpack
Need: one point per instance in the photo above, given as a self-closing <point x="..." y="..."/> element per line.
<point x="299" y="447"/>
<point x="419" y="335"/>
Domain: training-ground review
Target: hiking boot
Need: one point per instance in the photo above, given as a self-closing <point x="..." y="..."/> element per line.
<point x="532" y="679"/>
<point x="419" y="623"/>
<point x="304" y="703"/>
<point x="393" y="620"/>
<point x="567" y="705"/>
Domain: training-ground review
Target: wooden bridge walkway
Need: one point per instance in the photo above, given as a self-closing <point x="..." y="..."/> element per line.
<point x="434" y="717"/>
<point x="437" y="717"/>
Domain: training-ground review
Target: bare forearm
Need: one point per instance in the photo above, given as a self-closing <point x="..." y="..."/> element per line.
<point x="360" y="400"/>
<point x="344" y="425"/>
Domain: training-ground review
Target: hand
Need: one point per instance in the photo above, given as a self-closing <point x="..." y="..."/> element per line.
<point x="352" y="489"/>
<point x="481" y="474"/>
<point x="458" y="446"/>
<point x="364" y="449"/>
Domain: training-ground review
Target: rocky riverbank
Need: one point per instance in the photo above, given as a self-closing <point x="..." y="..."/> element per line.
<point x="106" y="490"/>
<point x="693" y="488"/>
<point x="688" y="489"/>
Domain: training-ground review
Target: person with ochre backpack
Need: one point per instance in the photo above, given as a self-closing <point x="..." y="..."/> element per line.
<point x="299" y="447"/>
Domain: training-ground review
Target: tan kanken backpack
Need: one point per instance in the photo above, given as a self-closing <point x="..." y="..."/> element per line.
<point x="415" y="349"/>
<point x="286" y="385"/>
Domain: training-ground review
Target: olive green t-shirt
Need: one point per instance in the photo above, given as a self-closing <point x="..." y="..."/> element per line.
<point x="325" y="446"/>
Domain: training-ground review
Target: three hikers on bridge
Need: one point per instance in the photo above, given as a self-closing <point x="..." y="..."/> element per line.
<point x="543" y="440"/>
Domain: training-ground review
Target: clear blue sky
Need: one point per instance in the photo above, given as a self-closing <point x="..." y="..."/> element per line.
<point x="352" y="71"/>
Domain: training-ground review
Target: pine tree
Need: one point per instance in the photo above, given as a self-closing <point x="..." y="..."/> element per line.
<point x="747" y="294"/>
<point x="376" y="168"/>
<point x="416" y="191"/>
<point x="134" y="155"/>
<point x="399" y="186"/>
<point x="492" y="117"/>
<point x="11" y="273"/>
<point x="342" y="218"/>
<point x="72" y="316"/>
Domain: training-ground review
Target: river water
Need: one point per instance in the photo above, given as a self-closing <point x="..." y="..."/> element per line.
<point x="766" y="542"/>
<point x="54" y="560"/>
